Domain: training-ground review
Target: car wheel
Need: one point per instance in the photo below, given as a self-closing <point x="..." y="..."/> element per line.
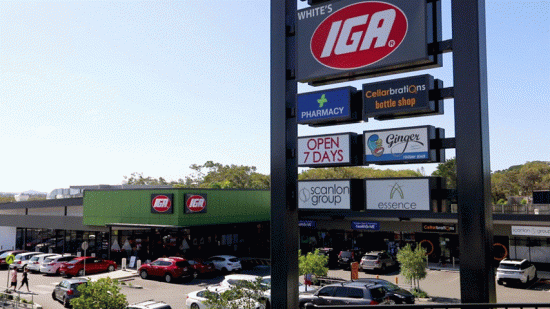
<point x="143" y="274"/>
<point x="168" y="278"/>
<point x="81" y="272"/>
<point x="111" y="268"/>
<point x="53" y="296"/>
<point x="194" y="306"/>
<point x="224" y="271"/>
<point x="195" y="275"/>
<point x="383" y="269"/>
<point x="66" y="303"/>
<point x="500" y="282"/>
<point x="390" y="301"/>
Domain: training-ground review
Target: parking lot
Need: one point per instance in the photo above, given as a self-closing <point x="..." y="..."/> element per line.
<point x="441" y="285"/>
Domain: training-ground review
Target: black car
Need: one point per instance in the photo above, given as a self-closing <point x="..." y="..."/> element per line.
<point x="348" y="293"/>
<point x="346" y="257"/>
<point x="394" y="293"/>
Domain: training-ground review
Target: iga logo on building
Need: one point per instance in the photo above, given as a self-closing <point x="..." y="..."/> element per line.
<point x="359" y="35"/>
<point x="195" y="203"/>
<point x="162" y="203"/>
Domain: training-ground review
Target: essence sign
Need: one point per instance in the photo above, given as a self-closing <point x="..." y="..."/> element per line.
<point x="403" y="194"/>
<point x="346" y="39"/>
<point x="327" y="150"/>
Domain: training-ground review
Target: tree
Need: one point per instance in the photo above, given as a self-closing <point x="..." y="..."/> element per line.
<point x="413" y="264"/>
<point x="138" y="179"/>
<point x="217" y="175"/>
<point x="312" y="263"/>
<point x="245" y="295"/>
<point x="354" y="172"/>
<point x="447" y="170"/>
<point x="101" y="294"/>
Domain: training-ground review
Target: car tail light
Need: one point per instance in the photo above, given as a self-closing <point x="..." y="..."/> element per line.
<point x="340" y="254"/>
<point x="373" y="302"/>
<point x="376" y="262"/>
<point x="352" y="256"/>
<point x="70" y="292"/>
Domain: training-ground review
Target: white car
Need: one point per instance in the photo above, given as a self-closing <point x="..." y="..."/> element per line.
<point x="195" y="300"/>
<point x="149" y="304"/>
<point x="51" y="264"/>
<point x="22" y="259"/>
<point x="516" y="270"/>
<point x="234" y="280"/>
<point x="34" y="263"/>
<point x="225" y="263"/>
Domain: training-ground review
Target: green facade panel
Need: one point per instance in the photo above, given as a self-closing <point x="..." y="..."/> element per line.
<point x="134" y="207"/>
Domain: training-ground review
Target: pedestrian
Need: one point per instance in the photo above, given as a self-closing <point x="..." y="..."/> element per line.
<point x="14" y="279"/>
<point x="25" y="279"/>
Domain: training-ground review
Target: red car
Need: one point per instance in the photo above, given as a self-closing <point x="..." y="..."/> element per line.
<point x="5" y="254"/>
<point x="203" y="268"/>
<point x="168" y="268"/>
<point x="93" y="265"/>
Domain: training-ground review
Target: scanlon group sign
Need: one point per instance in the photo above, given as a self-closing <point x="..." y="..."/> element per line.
<point x="329" y="194"/>
<point x="346" y="39"/>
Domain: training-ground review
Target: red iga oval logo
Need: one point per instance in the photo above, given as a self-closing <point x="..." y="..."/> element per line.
<point x="161" y="203"/>
<point x="196" y="203"/>
<point x="358" y="35"/>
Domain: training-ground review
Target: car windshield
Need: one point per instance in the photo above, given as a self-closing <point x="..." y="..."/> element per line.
<point x="74" y="261"/>
<point x="389" y="286"/>
<point x="509" y="266"/>
<point x="34" y="258"/>
<point x="345" y="254"/>
<point x="233" y="260"/>
<point x="371" y="257"/>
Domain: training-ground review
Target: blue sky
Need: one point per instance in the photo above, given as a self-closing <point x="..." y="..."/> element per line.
<point x="93" y="91"/>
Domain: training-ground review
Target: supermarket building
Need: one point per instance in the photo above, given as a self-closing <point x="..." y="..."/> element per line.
<point x="163" y="221"/>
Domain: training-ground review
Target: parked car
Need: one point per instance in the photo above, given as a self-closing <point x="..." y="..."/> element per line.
<point x="395" y="294"/>
<point x="332" y="257"/>
<point x="5" y="254"/>
<point x="149" y="304"/>
<point x="377" y="260"/>
<point x="195" y="300"/>
<point x="203" y="268"/>
<point x="22" y="259"/>
<point x="346" y="257"/>
<point x="52" y="264"/>
<point x="346" y="293"/>
<point x="225" y="263"/>
<point x="34" y="263"/>
<point x="168" y="268"/>
<point x="81" y="266"/>
<point x="67" y="290"/>
<point x="515" y="271"/>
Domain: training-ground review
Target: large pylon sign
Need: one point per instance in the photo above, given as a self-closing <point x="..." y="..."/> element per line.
<point x="344" y="40"/>
<point x="339" y="41"/>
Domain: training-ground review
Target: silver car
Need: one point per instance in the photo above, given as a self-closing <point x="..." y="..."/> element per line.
<point x="377" y="260"/>
<point x="67" y="290"/>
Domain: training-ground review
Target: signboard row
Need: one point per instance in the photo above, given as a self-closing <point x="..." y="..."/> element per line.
<point x="403" y="194"/>
<point x="375" y="226"/>
<point x="163" y="203"/>
<point x="389" y="146"/>
<point x="399" y="98"/>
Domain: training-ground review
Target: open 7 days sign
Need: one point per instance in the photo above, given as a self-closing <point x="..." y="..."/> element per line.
<point x="342" y="40"/>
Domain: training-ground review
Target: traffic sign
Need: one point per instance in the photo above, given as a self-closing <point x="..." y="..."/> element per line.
<point x="85" y="246"/>
<point x="9" y="259"/>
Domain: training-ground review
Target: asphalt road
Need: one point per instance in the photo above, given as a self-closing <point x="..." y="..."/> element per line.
<point x="443" y="286"/>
